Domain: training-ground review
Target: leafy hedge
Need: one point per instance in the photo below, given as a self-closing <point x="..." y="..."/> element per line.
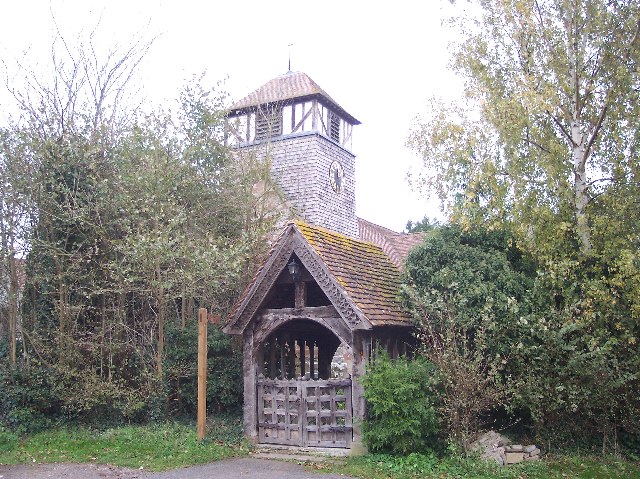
<point x="401" y="405"/>
<point x="36" y="395"/>
<point x="559" y="338"/>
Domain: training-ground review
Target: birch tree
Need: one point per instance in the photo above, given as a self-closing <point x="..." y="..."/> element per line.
<point x="553" y="90"/>
<point x="545" y="141"/>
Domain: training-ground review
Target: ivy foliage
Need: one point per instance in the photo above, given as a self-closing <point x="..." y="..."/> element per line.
<point x="471" y="293"/>
<point x="481" y="274"/>
<point x="476" y="279"/>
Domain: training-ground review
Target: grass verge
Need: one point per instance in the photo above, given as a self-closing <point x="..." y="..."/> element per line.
<point x="428" y="466"/>
<point x="155" y="447"/>
<point x="172" y="445"/>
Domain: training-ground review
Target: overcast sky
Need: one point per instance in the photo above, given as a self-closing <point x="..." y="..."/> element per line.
<point x="380" y="61"/>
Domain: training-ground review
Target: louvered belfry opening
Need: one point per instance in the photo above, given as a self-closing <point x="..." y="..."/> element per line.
<point x="334" y="127"/>
<point x="268" y="122"/>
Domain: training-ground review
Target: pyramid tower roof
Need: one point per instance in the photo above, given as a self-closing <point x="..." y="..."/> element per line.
<point x="287" y="88"/>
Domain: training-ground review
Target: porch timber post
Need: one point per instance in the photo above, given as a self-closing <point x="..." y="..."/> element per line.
<point x="282" y="339"/>
<point x="300" y="294"/>
<point x="357" y="391"/>
<point x="249" y="365"/>
<point x="324" y="361"/>
<point x="272" y="358"/>
<point x="312" y="368"/>
<point x="292" y="357"/>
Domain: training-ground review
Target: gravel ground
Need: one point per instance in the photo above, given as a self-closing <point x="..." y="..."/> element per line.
<point x="229" y="469"/>
<point x="68" y="471"/>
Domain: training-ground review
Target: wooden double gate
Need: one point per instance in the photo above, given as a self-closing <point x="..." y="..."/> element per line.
<point x="305" y="412"/>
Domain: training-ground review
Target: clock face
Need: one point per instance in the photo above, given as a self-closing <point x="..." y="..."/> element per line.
<point x="336" y="176"/>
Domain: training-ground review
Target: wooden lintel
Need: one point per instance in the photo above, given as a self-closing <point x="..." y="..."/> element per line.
<point x="324" y="312"/>
<point x="269" y="320"/>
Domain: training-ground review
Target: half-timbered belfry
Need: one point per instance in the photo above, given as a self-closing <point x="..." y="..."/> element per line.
<point x="327" y="294"/>
<point x="306" y="136"/>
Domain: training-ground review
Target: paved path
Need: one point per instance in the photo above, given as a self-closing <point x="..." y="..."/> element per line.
<point x="229" y="469"/>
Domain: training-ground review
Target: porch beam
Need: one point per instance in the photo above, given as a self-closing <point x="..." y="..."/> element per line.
<point x="269" y="320"/>
<point x="301" y="313"/>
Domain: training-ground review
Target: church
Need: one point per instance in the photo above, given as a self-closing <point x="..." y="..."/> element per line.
<point x="326" y="297"/>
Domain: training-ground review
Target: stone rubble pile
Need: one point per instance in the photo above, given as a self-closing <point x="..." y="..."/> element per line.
<point x="494" y="446"/>
<point x="517" y="453"/>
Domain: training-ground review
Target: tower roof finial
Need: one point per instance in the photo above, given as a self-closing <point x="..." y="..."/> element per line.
<point x="290" y="45"/>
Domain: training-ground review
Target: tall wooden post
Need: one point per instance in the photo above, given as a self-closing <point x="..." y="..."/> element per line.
<point x="202" y="372"/>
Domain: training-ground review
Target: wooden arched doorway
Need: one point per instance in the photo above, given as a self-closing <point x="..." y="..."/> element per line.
<point x="299" y="401"/>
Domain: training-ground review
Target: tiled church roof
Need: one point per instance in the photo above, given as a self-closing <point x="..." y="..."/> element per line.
<point x="395" y="245"/>
<point x="369" y="279"/>
<point x="366" y="273"/>
<point x="287" y="87"/>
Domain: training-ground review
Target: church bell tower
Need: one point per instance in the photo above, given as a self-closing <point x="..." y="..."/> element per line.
<point x="306" y="136"/>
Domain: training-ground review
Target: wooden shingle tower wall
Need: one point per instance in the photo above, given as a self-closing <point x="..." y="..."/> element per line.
<point x="307" y="137"/>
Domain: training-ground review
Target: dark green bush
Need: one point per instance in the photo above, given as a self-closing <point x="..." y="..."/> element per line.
<point x="401" y="406"/>
<point x="29" y="397"/>
<point x="224" y="371"/>
<point x="559" y="335"/>
<point x="34" y="395"/>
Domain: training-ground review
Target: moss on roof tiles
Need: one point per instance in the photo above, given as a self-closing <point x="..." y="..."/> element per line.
<point x="365" y="272"/>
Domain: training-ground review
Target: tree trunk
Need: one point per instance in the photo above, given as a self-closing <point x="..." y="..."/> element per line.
<point x="63" y="306"/>
<point x="103" y="332"/>
<point x="580" y="186"/>
<point x="13" y="307"/>
<point x="10" y="266"/>
<point x="183" y="308"/>
<point x="161" y="320"/>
